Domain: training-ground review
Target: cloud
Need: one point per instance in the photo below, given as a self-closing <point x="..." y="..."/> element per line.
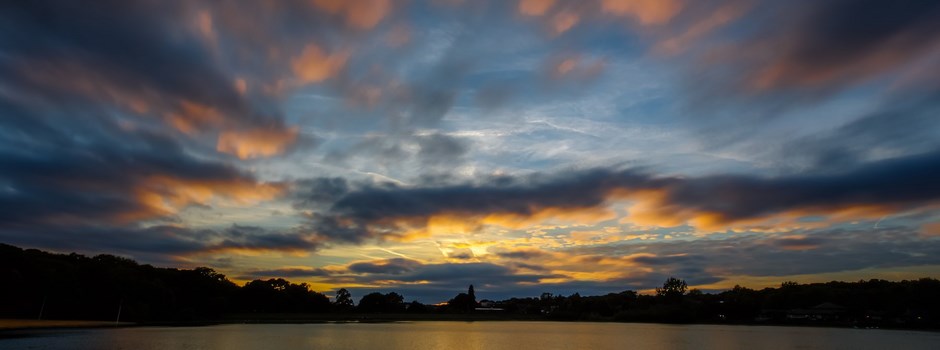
<point x="163" y="244"/>
<point x="901" y="124"/>
<point x="397" y="151"/>
<point x="252" y="239"/>
<point x="841" y="42"/>
<point x="439" y="148"/>
<point x="431" y="282"/>
<point x="257" y="142"/>
<point x="313" y="65"/>
<point x="718" y="262"/>
<point x="803" y="252"/>
<point x="647" y="12"/>
<point x="286" y="272"/>
<point x="523" y="254"/>
<point x="711" y="203"/>
<point x="931" y="229"/>
<point x="535" y="7"/>
<point x="74" y="181"/>
<point x="396" y="266"/>
<point x="124" y="58"/>
<point x="574" y="67"/>
<point x="803" y="51"/>
<point x="363" y="14"/>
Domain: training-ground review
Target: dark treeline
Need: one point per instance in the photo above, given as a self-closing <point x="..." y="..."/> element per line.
<point x="873" y="303"/>
<point x="72" y="286"/>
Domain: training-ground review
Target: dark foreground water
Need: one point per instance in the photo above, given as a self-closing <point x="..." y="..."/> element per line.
<point x="474" y="335"/>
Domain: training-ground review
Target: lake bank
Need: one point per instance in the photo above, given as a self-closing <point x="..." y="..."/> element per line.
<point x="304" y="318"/>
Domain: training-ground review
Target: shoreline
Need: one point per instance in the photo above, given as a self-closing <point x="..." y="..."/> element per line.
<point x="21" y="327"/>
<point x="15" y="328"/>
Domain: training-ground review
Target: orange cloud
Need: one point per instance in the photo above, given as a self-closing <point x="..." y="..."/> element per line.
<point x="930" y="229"/>
<point x="164" y="195"/>
<point x="205" y="28"/>
<point x="784" y="72"/>
<point x="647" y="12"/>
<point x="565" y="66"/>
<point x="256" y="143"/>
<point x="574" y="67"/>
<point x="313" y="65"/>
<point x="241" y="86"/>
<point x="359" y="14"/>
<point x="564" y="20"/>
<point x="449" y="223"/>
<point x="192" y="117"/>
<point x="718" y="18"/>
<point x="653" y="208"/>
<point x="535" y="7"/>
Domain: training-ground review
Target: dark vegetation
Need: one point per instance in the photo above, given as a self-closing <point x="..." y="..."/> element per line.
<point x="71" y="286"/>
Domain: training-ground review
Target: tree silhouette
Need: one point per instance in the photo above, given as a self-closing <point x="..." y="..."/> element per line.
<point x="378" y="302"/>
<point x="462" y="302"/>
<point x="673" y="288"/>
<point x="343" y="300"/>
<point x="73" y="286"/>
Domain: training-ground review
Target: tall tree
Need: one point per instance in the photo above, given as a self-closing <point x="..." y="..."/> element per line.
<point x="673" y="288"/>
<point x="343" y="300"/>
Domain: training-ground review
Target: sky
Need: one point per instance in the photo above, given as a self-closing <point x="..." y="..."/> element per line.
<point x="520" y="146"/>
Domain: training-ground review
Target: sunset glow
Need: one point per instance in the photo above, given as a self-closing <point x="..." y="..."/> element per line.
<point x="520" y="146"/>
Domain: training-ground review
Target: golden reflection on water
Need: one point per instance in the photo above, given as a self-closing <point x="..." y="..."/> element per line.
<point x="474" y="336"/>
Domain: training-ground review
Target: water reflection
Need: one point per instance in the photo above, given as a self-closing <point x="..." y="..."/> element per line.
<point x="475" y="335"/>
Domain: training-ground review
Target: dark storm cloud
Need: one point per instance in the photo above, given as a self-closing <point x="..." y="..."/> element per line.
<point x="523" y="196"/>
<point x="810" y="48"/>
<point x="892" y="185"/>
<point x="76" y="180"/>
<point x="158" y="244"/>
<point x="111" y="111"/>
<point x="253" y="238"/>
<point x="370" y="212"/>
<point x="132" y="53"/>
<point x="847" y="40"/>
<point x="899" y="183"/>
<point x="782" y="59"/>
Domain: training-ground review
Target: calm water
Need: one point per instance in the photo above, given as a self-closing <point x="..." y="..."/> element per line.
<point x="475" y="335"/>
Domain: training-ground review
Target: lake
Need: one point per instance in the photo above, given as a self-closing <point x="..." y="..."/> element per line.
<point x="473" y="335"/>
